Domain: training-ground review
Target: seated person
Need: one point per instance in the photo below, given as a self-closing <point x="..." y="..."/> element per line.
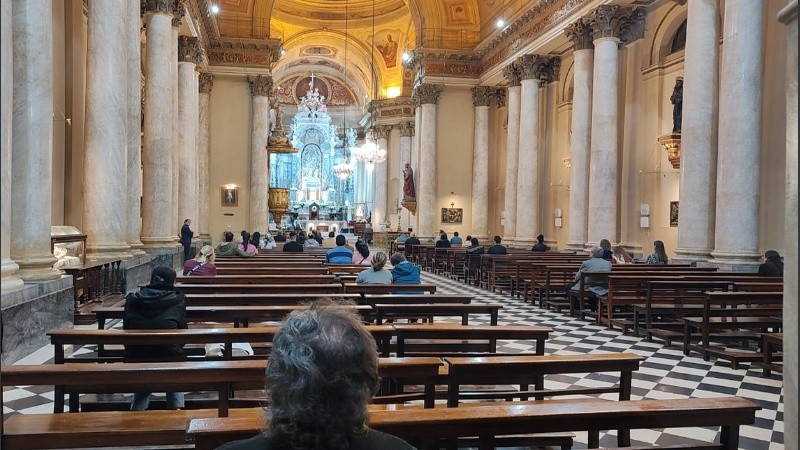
<point x="595" y="285"/>
<point x="202" y="264"/>
<point x="246" y="245"/>
<point x="318" y="397"/>
<point x="472" y="259"/>
<point x="368" y="233"/>
<point x="497" y="248"/>
<point x="280" y="237"/>
<point x="267" y="242"/>
<point x="403" y="271"/>
<point x="412" y="239"/>
<point x="377" y="274"/>
<point x="361" y="255"/>
<point x="311" y="240"/>
<point x="608" y="254"/>
<point x="621" y="256"/>
<point x="442" y="242"/>
<point x="540" y="245"/>
<point x="659" y="255"/>
<point x="228" y="248"/>
<point x="292" y="245"/>
<point x="401" y="239"/>
<point x="157" y="306"/>
<point x="772" y="265"/>
<point x="339" y="254"/>
<point x="331" y="241"/>
<point x="456" y="240"/>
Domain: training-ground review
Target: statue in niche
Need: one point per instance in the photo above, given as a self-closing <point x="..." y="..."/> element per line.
<point x="409" y="193"/>
<point x="677" y="105"/>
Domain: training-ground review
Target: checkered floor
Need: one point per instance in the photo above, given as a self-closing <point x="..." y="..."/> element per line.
<point x="665" y="373"/>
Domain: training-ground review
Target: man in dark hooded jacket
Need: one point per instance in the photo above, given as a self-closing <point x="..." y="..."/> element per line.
<point x="157" y="306"/>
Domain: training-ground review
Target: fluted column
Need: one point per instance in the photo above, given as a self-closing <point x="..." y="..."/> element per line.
<point x="189" y="55"/>
<point x="580" y="33"/>
<point x="513" y="74"/>
<point x="381" y="172"/>
<point x="106" y="114"/>
<point x="607" y="22"/>
<point x="206" y="82"/>
<point x="699" y="132"/>
<point x="428" y="97"/>
<point x="260" y="88"/>
<point x="158" y="228"/>
<point x="133" y="126"/>
<point x="481" y="96"/>
<point x="406" y="141"/>
<point x="9" y="282"/>
<point x="32" y="143"/>
<point x="736" y="236"/>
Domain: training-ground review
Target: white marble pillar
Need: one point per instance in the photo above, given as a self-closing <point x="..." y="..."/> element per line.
<point x="603" y="190"/>
<point x="32" y="143"/>
<point x="133" y="122"/>
<point x="105" y="159"/>
<point x="580" y="33"/>
<point x="260" y="88"/>
<point x="481" y="97"/>
<point x="788" y="16"/>
<point x="158" y="229"/>
<point x="406" y="143"/>
<point x="414" y="222"/>
<point x="189" y="55"/>
<point x="528" y="179"/>
<point x="381" y="174"/>
<point x="428" y="97"/>
<point x="513" y="74"/>
<point x="175" y="151"/>
<point x="699" y="132"/>
<point x="206" y="82"/>
<point x="9" y="282"/>
<point x="736" y="236"/>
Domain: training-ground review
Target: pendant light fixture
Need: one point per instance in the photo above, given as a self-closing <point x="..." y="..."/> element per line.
<point x="344" y="169"/>
<point x="370" y="153"/>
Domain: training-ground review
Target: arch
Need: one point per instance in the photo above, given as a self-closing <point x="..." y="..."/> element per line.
<point x="567" y="88"/>
<point x="661" y="45"/>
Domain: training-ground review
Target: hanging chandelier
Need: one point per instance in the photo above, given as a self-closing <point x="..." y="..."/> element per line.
<point x="313" y="103"/>
<point x="344" y="169"/>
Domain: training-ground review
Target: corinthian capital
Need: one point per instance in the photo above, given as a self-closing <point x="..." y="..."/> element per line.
<point x="157" y="6"/>
<point x="532" y="66"/>
<point x="499" y="95"/>
<point x="406" y="129"/>
<point x="189" y="49"/>
<point x="615" y="21"/>
<point x="260" y="86"/>
<point x="580" y="33"/>
<point x="382" y="131"/>
<point x="513" y="73"/>
<point x="481" y="95"/>
<point x="178" y="12"/>
<point x="206" y="83"/>
<point x="551" y="69"/>
<point x="426" y="94"/>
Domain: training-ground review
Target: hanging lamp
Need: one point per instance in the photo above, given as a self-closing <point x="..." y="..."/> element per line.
<point x="344" y="169"/>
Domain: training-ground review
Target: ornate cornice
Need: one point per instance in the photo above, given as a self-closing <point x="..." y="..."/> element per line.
<point x="189" y="50"/>
<point x="178" y="12"/>
<point x="482" y="95"/>
<point x="391" y="108"/>
<point x="206" y="82"/>
<point x="157" y="6"/>
<point x="513" y="74"/>
<point x="244" y="52"/>
<point x="382" y="131"/>
<point x="618" y="22"/>
<point x="580" y="33"/>
<point x="260" y="86"/>
<point x="438" y="64"/>
<point x="406" y="129"/>
<point x="427" y="93"/>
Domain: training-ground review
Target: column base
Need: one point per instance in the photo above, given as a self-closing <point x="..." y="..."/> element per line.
<point x="574" y="246"/>
<point x="137" y="248"/>
<point x="734" y="261"/>
<point x="691" y="255"/>
<point x="634" y="248"/>
<point x="108" y="251"/>
<point x="154" y="243"/>
<point x="9" y="282"/>
<point x="33" y="270"/>
<point x="523" y="243"/>
<point x="205" y="238"/>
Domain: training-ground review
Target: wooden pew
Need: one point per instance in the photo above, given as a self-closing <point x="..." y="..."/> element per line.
<point x="213" y="299"/>
<point x="402" y="299"/>
<point x="770" y="343"/>
<point x="364" y="289"/>
<point x="332" y="288"/>
<point x="459" y="340"/>
<point x="287" y="270"/>
<point x="255" y="279"/>
<point x="431" y="310"/>
<point x="488" y="421"/>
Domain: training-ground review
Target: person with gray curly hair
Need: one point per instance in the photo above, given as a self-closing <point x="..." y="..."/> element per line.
<point x="321" y="374"/>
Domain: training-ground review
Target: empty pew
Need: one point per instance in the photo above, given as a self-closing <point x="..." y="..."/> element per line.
<point x="256" y="299"/>
<point x="460" y="340"/>
<point x="332" y="288"/>
<point x="431" y="310"/>
<point x="255" y="279"/>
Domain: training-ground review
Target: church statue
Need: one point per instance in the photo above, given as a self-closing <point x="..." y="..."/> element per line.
<point x="409" y="193"/>
<point x="677" y="101"/>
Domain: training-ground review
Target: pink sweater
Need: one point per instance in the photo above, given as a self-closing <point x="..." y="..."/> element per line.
<point x="208" y="270"/>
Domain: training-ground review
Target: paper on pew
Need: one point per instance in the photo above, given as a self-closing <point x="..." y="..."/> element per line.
<point x="239" y="349"/>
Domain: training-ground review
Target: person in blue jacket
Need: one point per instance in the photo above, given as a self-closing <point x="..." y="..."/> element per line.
<point x="404" y="272"/>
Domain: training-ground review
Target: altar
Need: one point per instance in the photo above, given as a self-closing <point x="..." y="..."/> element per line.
<point x="323" y="226"/>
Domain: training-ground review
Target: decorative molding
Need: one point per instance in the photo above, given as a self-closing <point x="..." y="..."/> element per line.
<point x="157" y="6"/>
<point x="260" y="86"/>
<point x="499" y="96"/>
<point x="513" y="74"/>
<point x="580" y="33"/>
<point x="206" y="82"/>
<point x="178" y="12"/>
<point x="551" y="70"/>
<point x="382" y="131"/>
<point x="391" y="108"/>
<point x="427" y="93"/>
<point x="189" y="50"/>
<point x="615" y="21"/>
<point x="482" y="95"/>
<point x="532" y="67"/>
<point x="406" y="129"/>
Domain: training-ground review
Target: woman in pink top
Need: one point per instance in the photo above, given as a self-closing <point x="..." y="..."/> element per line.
<point x="202" y="265"/>
<point x="246" y="246"/>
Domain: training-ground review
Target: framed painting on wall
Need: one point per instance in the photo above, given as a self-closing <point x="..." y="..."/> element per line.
<point x="230" y="196"/>
<point x="673" y="214"/>
<point x="452" y="215"/>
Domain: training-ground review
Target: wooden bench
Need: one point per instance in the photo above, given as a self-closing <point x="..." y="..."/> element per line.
<point x="488" y="421"/>
<point x="364" y="289"/>
<point x="770" y="343"/>
<point x="431" y="310"/>
<point x="255" y="279"/>
<point x="332" y="288"/>
<point x="459" y="340"/>
<point x="286" y="271"/>
<point x="254" y="299"/>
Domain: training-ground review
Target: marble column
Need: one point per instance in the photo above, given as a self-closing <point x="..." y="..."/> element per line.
<point x="260" y="88"/>
<point x="206" y="82"/>
<point x="158" y="228"/>
<point x="177" y="220"/>
<point x="736" y="236"/>
<point x="428" y="98"/>
<point x="699" y="132"/>
<point x="9" y="282"/>
<point x="513" y="74"/>
<point x="189" y="55"/>
<point x="607" y="24"/>
<point x="406" y="142"/>
<point x="381" y="173"/>
<point x="414" y="222"/>
<point x="133" y="127"/>
<point x="788" y="16"/>
<point x="104" y="159"/>
<point x="481" y="97"/>
<point x="32" y="143"/>
<point x="580" y="33"/>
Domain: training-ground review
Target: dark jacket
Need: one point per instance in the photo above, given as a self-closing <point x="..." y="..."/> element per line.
<point x="539" y="247"/>
<point x="186" y="234"/>
<point x="769" y="269"/>
<point x="608" y="255"/>
<point x="231" y="249"/>
<point x="441" y="243"/>
<point x="293" y="246"/>
<point x="280" y="237"/>
<point x="473" y="255"/>
<point x="155" y="307"/>
<point x="412" y="241"/>
<point x="497" y="249"/>
<point x="371" y="440"/>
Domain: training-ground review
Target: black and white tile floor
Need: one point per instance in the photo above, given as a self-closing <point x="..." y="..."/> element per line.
<point x="665" y="373"/>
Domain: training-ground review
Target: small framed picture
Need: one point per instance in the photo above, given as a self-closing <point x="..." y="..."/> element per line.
<point x="673" y="214"/>
<point x="452" y="215"/>
<point x="230" y="196"/>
